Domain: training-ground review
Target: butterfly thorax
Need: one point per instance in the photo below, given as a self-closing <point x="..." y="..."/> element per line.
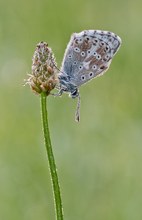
<point x="65" y="85"/>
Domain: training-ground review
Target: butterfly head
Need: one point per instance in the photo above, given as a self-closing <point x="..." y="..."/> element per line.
<point x="65" y="85"/>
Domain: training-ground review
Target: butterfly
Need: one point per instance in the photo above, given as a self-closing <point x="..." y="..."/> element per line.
<point x="88" y="55"/>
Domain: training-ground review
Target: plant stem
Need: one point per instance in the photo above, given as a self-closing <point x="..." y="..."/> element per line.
<point x="51" y="160"/>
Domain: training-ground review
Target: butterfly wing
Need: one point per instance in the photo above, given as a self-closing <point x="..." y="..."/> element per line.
<point x="88" y="55"/>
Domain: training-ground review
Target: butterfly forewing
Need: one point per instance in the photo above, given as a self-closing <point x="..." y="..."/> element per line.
<point x="88" y="55"/>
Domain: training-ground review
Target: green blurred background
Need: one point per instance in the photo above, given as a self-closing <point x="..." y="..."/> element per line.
<point x="99" y="160"/>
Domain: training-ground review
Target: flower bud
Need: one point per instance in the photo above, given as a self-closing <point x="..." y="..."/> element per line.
<point x="44" y="72"/>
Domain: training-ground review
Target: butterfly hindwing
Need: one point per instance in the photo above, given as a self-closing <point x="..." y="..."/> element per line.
<point x="88" y="55"/>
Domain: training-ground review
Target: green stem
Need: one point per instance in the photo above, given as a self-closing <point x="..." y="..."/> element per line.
<point x="51" y="160"/>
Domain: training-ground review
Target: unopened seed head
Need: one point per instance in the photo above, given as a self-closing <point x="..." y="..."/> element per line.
<point x="43" y="77"/>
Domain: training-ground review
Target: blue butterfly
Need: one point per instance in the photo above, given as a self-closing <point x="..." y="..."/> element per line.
<point x="88" y="55"/>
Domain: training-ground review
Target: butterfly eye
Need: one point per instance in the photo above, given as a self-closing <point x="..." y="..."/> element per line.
<point x="69" y="56"/>
<point x="83" y="78"/>
<point x="83" y="54"/>
<point x="76" y="49"/>
<point x="94" y="67"/>
<point x="98" y="57"/>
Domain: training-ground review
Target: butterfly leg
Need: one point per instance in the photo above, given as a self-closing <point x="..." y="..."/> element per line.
<point x="57" y="94"/>
<point x="77" y="113"/>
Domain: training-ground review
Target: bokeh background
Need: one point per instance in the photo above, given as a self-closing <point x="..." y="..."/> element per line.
<point x="99" y="160"/>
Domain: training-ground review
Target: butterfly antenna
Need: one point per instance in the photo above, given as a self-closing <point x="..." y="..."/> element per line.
<point x="56" y="67"/>
<point x="57" y="86"/>
<point x="77" y="113"/>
